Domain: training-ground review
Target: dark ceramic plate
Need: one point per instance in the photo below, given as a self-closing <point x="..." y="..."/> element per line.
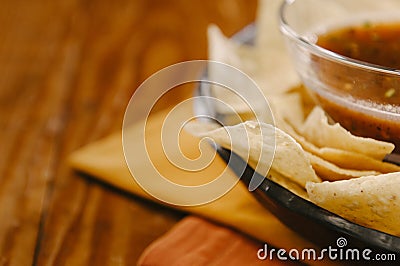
<point x="318" y="225"/>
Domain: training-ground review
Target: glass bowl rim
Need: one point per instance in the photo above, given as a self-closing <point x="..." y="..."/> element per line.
<point x="288" y="31"/>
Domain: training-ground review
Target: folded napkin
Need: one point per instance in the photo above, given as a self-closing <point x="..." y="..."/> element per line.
<point x="237" y="209"/>
<point x="195" y="241"/>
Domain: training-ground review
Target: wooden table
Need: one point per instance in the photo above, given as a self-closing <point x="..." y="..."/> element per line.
<point x="67" y="71"/>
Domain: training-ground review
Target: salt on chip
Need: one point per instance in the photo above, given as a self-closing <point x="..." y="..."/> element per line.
<point x="371" y="201"/>
<point x="317" y="130"/>
<point x="255" y="146"/>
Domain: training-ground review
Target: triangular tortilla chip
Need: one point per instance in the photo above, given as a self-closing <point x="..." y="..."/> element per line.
<point x="252" y="141"/>
<point x="372" y="201"/>
<point x="317" y="130"/>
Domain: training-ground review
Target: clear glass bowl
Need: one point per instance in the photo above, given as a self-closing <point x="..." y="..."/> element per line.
<point x="347" y="89"/>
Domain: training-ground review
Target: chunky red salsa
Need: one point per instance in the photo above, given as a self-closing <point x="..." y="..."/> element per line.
<point x="374" y="44"/>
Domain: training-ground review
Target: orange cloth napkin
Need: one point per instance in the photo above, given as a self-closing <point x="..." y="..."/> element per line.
<point x="237" y="209"/>
<point x="195" y="241"/>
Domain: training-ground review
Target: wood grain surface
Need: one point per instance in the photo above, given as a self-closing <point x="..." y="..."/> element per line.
<point x="67" y="71"/>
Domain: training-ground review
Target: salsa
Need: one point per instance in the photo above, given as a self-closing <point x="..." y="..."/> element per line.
<point x="375" y="44"/>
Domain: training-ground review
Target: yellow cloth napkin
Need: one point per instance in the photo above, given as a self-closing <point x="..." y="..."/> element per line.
<point x="104" y="159"/>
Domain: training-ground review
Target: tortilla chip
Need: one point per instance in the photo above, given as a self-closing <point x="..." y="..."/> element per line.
<point x="258" y="149"/>
<point x="371" y="201"/>
<point x="307" y="100"/>
<point x="268" y="34"/>
<point x="331" y="172"/>
<point x="318" y="131"/>
<point x="290" y="160"/>
<point x="265" y="66"/>
<point x="340" y="158"/>
<point x="277" y="66"/>
<point x="222" y="49"/>
<point x="356" y="161"/>
<point x="289" y="107"/>
<point x="247" y="97"/>
<point x="288" y="184"/>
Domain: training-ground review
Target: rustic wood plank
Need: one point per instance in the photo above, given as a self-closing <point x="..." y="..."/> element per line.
<point x="68" y="70"/>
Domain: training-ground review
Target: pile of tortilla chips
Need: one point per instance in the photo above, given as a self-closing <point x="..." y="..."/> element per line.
<point x="314" y="158"/>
